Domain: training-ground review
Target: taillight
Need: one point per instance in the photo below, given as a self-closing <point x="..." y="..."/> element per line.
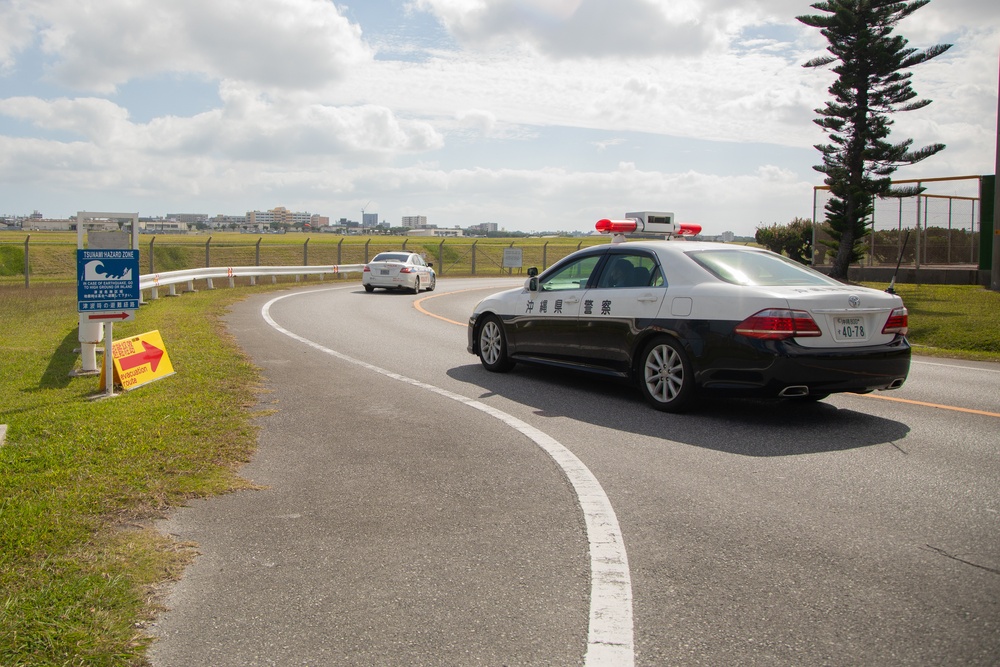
<point x="778" y="323"/>
<point x="898" y="322"/>
<point x="405" y="269"/>
<point x="366" y="269"/>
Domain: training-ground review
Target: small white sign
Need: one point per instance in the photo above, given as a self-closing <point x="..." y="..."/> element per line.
<point x="513" y="258"/>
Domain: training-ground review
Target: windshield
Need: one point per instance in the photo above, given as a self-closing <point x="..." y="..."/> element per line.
<point x="746" y="267"/>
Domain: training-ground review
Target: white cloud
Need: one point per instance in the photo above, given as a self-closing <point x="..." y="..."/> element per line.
<point x="96" y="45"/>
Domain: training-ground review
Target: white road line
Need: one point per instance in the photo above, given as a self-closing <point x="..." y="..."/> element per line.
<point x="967" y="368"/>
<point x="610" y="640"/>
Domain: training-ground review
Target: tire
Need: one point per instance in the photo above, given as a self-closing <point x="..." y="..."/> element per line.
<point x="492" y="346"/>
<point x="416" y="285"/>
<point x="666" y="379"/>
<point x="434" y="282"/>
<point x="369" y="289"/>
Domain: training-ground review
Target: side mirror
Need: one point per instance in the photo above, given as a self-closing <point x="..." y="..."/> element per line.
<point x="531" y="284"/>
<point x="533" y="271"/>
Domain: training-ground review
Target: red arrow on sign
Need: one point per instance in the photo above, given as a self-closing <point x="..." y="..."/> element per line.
<point x="108" y="316"/>
<point x="150" y="355"/>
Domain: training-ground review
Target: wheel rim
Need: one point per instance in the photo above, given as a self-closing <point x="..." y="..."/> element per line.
<point x="664" y="373"/>
<point x="490" y="343"/>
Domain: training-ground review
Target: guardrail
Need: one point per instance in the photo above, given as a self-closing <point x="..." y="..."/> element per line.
<point x="92" y="333"/>
<point x="170" y="279"/>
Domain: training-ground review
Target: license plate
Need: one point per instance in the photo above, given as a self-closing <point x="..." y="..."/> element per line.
<point x="383" y="272"/>
<point x="849" y="328"/>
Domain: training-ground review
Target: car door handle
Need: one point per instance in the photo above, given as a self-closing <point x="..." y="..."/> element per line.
<point x="648" y="298"/>
<point x="572" y="299"/>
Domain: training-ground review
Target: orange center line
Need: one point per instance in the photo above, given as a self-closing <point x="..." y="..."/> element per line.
<point x="418" y="304"/>
<point x="983" y="413"/>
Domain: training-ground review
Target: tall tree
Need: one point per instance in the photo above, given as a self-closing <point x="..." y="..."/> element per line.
<point x="871" y="84"/>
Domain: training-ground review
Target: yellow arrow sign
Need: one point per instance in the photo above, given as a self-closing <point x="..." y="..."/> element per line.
<point x="139" y="360"/>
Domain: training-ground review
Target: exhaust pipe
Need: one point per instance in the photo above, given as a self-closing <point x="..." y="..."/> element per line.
<point x="896" y="384"/>
<point x="794" y="390"/>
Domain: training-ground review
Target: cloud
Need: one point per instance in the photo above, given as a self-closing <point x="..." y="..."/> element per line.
<point x="96" y="45"/>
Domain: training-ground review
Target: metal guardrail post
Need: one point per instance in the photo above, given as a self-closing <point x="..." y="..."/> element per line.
<point x="27" y="264"/>
<point x="151" y="267"/>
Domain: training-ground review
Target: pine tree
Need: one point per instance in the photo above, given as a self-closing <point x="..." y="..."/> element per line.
<point x="871" y="84"/>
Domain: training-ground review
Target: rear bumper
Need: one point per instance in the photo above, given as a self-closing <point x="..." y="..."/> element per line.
<point x="782" y="368"/>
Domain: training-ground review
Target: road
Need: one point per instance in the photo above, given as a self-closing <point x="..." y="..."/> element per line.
<point x="417" y="510"/>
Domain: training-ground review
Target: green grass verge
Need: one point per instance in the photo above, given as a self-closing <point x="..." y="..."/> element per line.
<point x="81" y="480"/>
<point x="960" y="321"/>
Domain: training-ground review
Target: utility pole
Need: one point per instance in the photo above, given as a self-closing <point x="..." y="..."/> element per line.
<point x="995" y="273"/>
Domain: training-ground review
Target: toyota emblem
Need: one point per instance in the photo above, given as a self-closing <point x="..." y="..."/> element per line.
<point x="854" y="300"/>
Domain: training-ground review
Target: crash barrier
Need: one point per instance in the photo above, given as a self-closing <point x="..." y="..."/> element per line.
<point x="91" y="333"/>
<point x="170" y="279"/>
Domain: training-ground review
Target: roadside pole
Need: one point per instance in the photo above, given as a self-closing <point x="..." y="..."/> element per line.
<point x="995" y="273"/>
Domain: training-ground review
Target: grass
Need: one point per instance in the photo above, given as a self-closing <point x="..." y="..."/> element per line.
<point x="960" y="321"/>
<point x="81" y="480"/>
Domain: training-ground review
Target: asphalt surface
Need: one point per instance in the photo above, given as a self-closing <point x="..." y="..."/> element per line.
<point x="397" y="526"/>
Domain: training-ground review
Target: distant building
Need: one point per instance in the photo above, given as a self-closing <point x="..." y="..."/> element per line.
<point x="369" y="220"/>
<point x="415" y="221"/>
<point x="435" y="232"/>
<point x="160" y="226"/>
<point x="484" y="228"/>
<point x="190" y="218"/>
<point x="279" y="215"/>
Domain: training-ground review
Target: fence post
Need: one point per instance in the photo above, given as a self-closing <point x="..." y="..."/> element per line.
<point x="366" y="249"/>
<point x="474" y="257"/>
<point x="208" y="254"/>
<point x="151" y="266"/>
<point x="405" y="241"/>
<point x="340" y="256"/>
<point x="256" y="257"/>
<point x="27" y="264"/>
<point x="305" y="253"/>
<point x="441" y="257"/>
<point x="545" y="256"/>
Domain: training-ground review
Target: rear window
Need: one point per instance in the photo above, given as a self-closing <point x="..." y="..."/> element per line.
<point x="391" y="257"/>
<point x="745" y="267"/>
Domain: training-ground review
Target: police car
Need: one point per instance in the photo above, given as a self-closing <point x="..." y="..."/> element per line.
<point x="682" y="318"/>
<point x="397" y="270"/>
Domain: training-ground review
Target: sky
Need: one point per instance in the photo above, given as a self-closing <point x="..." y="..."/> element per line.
<point x="536" y="115"/>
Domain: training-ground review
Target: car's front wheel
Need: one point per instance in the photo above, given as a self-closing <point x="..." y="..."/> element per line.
<point x="665" y="376"/>
<point x="493" y="346"/>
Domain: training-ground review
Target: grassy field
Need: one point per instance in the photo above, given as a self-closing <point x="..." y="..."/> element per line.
<point x="52" y="255"/>
<point x="81" y="480"/>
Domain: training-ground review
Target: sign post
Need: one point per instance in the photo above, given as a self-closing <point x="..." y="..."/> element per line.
<point x="107" y="282"/>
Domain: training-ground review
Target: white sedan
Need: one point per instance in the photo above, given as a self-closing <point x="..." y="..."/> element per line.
<point x="683" y="318"/>
<point x="399" y="270"/>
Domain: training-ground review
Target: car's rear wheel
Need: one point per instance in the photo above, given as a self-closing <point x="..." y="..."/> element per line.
<point x="493" y="346"/>
<point x="434" y="282"/>
<point x="416" y="285"/>
<point x="369" y="289"/>
<point x="665" y="376"/>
